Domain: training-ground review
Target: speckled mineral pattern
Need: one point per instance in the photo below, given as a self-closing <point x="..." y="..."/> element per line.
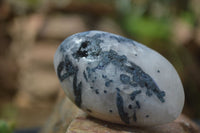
<point x="118" y="80"/>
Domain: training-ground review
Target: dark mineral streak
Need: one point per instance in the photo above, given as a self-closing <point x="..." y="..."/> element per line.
<point x="132" y="74"/>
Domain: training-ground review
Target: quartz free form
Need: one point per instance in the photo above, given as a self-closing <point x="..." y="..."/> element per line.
<point x="118" y="80"/>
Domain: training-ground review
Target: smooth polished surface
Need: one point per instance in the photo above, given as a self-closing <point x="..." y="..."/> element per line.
<point x="118" y="80"/>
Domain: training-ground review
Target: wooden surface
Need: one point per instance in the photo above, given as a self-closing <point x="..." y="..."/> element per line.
<point x="85" y="124"/>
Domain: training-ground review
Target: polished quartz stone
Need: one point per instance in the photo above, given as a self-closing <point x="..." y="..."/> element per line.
<point x="118" y="80"/>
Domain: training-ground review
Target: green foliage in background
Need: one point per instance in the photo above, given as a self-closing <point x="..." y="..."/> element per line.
<point x="140" y="22"/>
<point x="8" y="115"/>
<point x="151" y="21"/>
<point x="6" y="127"/>
<point x="188" y="17"/>
<point x="146" y="28"/>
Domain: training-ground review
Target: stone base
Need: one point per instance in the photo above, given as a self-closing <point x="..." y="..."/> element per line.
<point x="86" y="124"/>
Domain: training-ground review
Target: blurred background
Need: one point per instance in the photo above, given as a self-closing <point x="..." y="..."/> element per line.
<point x="31" y="30"/>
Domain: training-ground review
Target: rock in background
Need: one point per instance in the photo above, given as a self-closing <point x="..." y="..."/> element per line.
<point x="84" y="124"/>
<point x="65" y="111"/>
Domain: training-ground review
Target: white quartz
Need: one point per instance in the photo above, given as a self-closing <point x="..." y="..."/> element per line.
<point x="118" y="80"/>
